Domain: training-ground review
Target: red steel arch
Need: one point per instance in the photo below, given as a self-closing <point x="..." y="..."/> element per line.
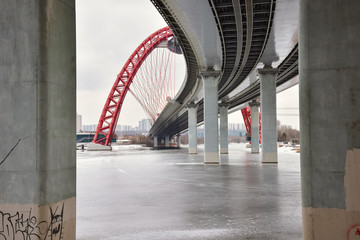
<point x="110" y="114"/>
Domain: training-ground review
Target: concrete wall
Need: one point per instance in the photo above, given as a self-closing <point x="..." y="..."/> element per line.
<point x="330" y="118"/>
<point x="37" y="103"/>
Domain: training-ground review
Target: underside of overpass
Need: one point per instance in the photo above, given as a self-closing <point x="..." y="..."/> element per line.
<point x="230" y="47"/>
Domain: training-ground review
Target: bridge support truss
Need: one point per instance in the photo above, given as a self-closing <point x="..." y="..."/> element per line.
<point x="110" y="114"/>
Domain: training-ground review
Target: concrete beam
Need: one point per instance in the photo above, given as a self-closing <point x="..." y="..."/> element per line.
<point x="98" y="147"/>
<point x="254" y="106"/>
<point x="178" y="140"/>
<point x="192" y="126"/>
<point x="330" y="118"/>
<point x="156" y="141"/>
<point x="268" y="114"/>
<point x="167" y="141"/>
<point x="38" y="102"/>
<point x="210" y="79"/>
<point x="224" y="143"/>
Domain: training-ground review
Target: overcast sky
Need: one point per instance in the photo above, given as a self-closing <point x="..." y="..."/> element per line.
<point x="107" y="33"/>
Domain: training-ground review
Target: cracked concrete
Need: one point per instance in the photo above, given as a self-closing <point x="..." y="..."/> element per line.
<point x="12" y="149"/>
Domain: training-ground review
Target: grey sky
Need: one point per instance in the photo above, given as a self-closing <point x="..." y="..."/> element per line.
<point x="107" y="34"/>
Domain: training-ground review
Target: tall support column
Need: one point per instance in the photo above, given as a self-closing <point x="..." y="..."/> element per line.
<point x="37" y="102"/>
<point x="156" y="141"/>
<point x="178" y="140"/>
<point x="192" y="125"/>
<point x="268" y="114"/>
<point x="330" y="118"/>
<point x="254" y="126"/>
<point x="223" y="109"/>
<point x="167" y="141"/>
<point x="211" y="135"/>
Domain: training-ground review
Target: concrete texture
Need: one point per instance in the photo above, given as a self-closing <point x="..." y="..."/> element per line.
<point x="192" y="123"/>
<point x="268" y="114"/>
<point x="133" y="193"/>
<point x="330" y="117"/>
<point x="254" y="126"/>
<point x="223" y="109"/>
<point x="211" y="135"/>
<point x="37" y="102"/>
<point x="98" y="147"/>
<point x="178" y="140"/>
<point x="167" y="141"/>
<point x="155" y="141"/>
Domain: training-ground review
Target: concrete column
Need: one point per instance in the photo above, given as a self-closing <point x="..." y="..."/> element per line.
<point x="329" y="89"/>
<point x="211" y="135"/>
<point x="178" y="140"/>
<point x="37" y="102"/>
<point x="156" y="141"/>
<point x="268" y="114"/>
<point x="254" y="126"/>
<point x="223" y="109"/>
<point x="167" y="141"/>
<point x="192" y="125"/>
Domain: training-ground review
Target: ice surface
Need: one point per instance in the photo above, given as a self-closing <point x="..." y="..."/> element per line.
<point x="135" y="193"/>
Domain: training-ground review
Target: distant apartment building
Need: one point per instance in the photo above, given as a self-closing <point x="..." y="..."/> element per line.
<point x="89" y="128"/>
<point x="144" y="125"/>
<point x="78" y="123"/>
<point x="236" y="126"/>
<point x="125" y="128"/>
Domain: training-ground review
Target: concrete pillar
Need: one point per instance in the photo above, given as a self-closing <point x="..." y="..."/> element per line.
<point x="178" y="140"/>
<point x="329" y="89"/>
<point x="156" y="141"/>
<point x="211" y="135"/>
<point x="223" y="109"/>
<point x="268" y="114"/>
<point x="37" y="102"/>
<point x="192" y="125"/>
<point x="254" y="126"/>
<point x="167" y="141"/>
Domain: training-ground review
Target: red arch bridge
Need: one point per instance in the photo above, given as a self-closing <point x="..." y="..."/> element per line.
<point x="152" y="80"/>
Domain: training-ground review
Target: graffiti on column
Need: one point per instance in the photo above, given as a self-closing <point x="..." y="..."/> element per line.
<point x="25" y="226"/>
<point x="354" y="232"/>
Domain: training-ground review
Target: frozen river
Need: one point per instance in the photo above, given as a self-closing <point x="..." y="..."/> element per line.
<point x="135" y="193"/>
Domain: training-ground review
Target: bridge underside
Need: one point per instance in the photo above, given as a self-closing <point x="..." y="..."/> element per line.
<point x="245" y="34"/>
<point x="325" y="60"/>
<point x="38" y="90"/>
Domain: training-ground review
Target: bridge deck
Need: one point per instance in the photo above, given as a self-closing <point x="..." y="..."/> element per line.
<point x="168" y="194"/>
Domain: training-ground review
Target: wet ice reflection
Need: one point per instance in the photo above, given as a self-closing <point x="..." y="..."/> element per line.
<point x="139" y="193"/>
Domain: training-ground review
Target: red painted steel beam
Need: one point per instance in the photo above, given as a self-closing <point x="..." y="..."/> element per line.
<point x="246" y="112"/>
<point x="110" y="114"/>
